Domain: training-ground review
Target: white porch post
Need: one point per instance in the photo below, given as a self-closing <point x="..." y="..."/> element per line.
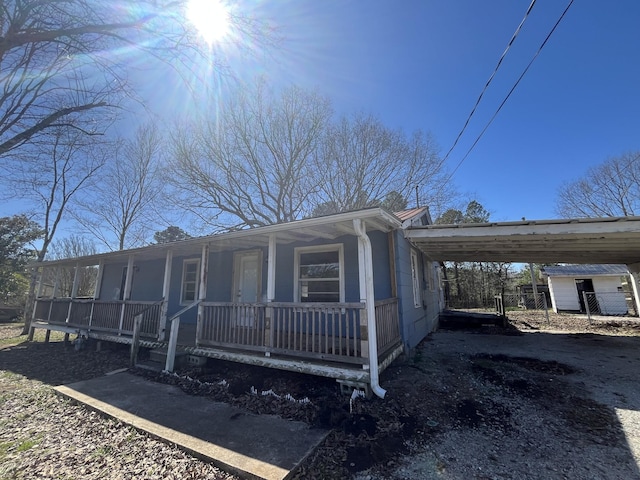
<point x="40" y="283"/>
<point x="35" y="304"/>
<point x="74" y="289"/>
<point x="271" y="292"/>
<point x="634" y="270"/>
<point x="271" y="269"/>
<point x="166" y="285"/>
<point x="96" y="292"/>
<point x="365" y="274"/>
<point x="127" y="291"/>
<point x="54" y="294"/>
<point x="202" y="290"/>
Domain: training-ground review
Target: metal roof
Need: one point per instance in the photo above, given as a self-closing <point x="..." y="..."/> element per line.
<point x="410" y="213"/>
<point x="614" y="240"/>
<point x="585" y="270"/>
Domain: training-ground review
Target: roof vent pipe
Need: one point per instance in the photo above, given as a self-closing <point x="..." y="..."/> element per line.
<point x="365" y="270"/>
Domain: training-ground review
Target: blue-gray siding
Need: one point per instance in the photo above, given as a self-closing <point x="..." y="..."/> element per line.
<point x="417" y="322"/>
<point x="148" y="275"/>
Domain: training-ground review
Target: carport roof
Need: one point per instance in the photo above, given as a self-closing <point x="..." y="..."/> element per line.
<point x="614" y="240"/>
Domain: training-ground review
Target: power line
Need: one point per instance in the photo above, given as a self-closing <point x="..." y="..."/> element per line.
<point x="486" y="86"/>
<point x="510" y="91"/>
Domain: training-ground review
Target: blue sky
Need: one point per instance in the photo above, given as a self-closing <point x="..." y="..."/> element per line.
<point x="421" y="64"/>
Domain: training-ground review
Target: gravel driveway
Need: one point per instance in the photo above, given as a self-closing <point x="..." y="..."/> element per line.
<point x="573" y="412"/>
<point x="536" y="401"/>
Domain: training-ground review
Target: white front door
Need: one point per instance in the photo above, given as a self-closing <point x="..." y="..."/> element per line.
<point x="246" y="283"/>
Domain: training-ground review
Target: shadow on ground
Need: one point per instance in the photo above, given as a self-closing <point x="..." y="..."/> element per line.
<point x="57" y="363"/>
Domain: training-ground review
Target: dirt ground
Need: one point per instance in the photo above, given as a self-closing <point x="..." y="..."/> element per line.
<point x="539" y="399"/>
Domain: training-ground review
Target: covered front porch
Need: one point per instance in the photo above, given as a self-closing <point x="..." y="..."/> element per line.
<point x="351" y="341"/>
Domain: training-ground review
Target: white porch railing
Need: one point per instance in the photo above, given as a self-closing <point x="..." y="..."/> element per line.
<point x="233" y="324"/>
<point x="387" y="324"/>
<point x="330" y="331"/>
<point x="312" y="330"/>
<point x="100" y="315"/>
<point x="318" y="330"/>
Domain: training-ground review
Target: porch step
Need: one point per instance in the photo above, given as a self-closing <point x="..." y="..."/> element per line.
<point x="183" y="359"/>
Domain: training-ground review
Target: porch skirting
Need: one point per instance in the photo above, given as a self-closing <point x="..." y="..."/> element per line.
<point x="346" y="372"/>
<point x="328" y="340"/>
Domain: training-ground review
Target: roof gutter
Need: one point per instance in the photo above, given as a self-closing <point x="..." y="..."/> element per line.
<point x="365" y="263"/>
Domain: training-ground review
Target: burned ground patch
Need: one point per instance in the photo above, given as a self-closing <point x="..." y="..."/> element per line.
<point x="534" y="364"/>
<point x="543" y="383"/>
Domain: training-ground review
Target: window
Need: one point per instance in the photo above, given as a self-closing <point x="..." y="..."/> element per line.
<point x="430" y="274"/>
<point x="190" y="270"/>
<point x="415" y="277"/>
<point x="319" y="274"/>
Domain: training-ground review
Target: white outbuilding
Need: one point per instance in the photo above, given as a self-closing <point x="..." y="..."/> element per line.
<point x="597" y="289"/>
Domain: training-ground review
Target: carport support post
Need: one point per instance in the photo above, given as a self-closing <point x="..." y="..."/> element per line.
<point x="634" y="270"/>
<point x="534" y="283"/>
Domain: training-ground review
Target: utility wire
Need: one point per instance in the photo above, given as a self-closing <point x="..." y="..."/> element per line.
<point x="510" y="92"/>
<point x="486" y="86"/>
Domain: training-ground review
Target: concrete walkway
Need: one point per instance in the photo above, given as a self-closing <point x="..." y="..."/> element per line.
<point x="237" y="441"/>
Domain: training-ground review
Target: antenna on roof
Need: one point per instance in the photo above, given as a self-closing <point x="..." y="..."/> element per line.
<point x="417" y="198"/>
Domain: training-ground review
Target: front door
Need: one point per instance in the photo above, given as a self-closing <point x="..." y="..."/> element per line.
<point x="246" y="284"/>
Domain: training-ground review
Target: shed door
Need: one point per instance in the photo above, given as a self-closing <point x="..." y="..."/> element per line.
<point x="246" y="284"/>
<point x="586" y="285"/>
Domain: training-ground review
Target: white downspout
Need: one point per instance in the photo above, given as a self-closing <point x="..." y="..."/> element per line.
<point x="365" y="264"/>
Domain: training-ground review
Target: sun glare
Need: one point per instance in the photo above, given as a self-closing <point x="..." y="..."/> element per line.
<point x="210" y="17"/>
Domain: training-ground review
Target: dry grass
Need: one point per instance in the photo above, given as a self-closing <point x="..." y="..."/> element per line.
<point x="46" y="437"/>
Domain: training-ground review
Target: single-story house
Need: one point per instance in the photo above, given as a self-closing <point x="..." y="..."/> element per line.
<point x="574" y="288"/>
<point x="339" y="296"/>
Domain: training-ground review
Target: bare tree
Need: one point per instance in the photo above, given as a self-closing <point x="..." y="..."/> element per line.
<point x="49" y="175"/>
<point x="66" y="62"/>
<point x="608" y="190"/>
<point x="363" y="162"/>
<point x="473" y="283"/>
<point x="64" y="77"/>
<point x="127" y="193"/>
<point x="253" y="164"/>
<point x="71" y="247"/>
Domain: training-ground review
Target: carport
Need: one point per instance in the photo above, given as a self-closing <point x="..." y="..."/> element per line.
<point x="614" y="240"/>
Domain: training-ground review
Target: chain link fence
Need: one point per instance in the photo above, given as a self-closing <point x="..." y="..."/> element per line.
<point x="535" y="304"/>
<point x="618" y="304"/>
<point x="527" y="308"/>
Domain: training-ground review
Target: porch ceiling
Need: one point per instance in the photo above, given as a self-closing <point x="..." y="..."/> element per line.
<point x="602" y="240"/>
<point x="328" y="228"/>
